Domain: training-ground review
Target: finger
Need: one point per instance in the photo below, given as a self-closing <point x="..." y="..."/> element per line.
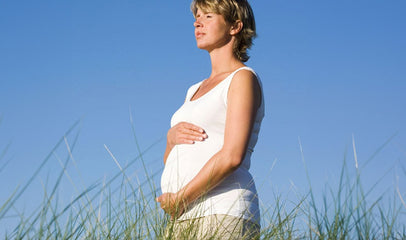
<point x="195" y="137"/>
<point x="161" y="198"/>
<point x="186" y="140"/>
<point x="192" y="134"/>
<point x="198" y="132"/>
<point x="190" y="138"/>
<point x="193" y="127"/>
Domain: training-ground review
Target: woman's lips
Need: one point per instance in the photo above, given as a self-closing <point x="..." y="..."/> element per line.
<point x="199" y="34"/>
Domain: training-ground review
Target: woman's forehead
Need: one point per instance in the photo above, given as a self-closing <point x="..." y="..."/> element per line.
<point x="205" y="8"/>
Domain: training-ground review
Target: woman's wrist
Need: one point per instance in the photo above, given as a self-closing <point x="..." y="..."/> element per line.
<point x="169" y="145"/>
<point x="182" y="197"/>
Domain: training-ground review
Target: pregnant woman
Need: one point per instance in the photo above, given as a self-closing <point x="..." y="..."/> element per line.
<point x="206" y="185"/>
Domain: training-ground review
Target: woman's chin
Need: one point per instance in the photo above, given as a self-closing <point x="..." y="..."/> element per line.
<point x="202" y="46"/>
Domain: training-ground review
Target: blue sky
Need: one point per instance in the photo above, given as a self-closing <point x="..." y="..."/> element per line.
<point x="330" y="69"/>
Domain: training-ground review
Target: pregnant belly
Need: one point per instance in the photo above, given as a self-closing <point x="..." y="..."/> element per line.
<point x="184" y="163"/>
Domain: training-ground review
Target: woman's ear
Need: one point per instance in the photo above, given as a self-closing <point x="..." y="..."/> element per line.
<point x="236" y="28"/>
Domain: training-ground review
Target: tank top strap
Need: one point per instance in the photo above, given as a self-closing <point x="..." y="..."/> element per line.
<point x="230" y="77"/>
<point x="242" y="68"/>
<point x="192" y="89"/>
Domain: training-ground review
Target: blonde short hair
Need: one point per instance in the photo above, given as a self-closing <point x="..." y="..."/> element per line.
<point x="232" y="10"/>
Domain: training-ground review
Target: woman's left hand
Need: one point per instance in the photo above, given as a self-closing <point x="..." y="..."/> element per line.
<point x="171" y="204"/>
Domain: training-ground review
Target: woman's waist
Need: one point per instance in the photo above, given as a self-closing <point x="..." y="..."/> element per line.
<point x="240" y="179"/>
<point x="226" y="199"/>
<point x="176" y="176"/>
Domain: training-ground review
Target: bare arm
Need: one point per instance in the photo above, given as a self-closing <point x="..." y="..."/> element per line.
<point x="243" y="102"/>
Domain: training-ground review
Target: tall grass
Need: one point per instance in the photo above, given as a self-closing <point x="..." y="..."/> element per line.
<point x="123" y="207"/>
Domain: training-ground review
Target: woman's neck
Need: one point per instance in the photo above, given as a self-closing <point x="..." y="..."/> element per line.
<point x="223" y="60"/>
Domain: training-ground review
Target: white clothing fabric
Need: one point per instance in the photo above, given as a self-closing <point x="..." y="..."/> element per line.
<point x="217" y="226"/>
<point x="236" y="195"/>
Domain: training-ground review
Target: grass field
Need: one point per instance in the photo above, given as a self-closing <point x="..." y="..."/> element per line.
<point x="123" y="207"/>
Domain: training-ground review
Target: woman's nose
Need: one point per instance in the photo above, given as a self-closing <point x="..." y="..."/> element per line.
<point x="197" y="24"/>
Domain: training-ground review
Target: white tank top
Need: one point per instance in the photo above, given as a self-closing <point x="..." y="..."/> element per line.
<point x="236" y="195"/>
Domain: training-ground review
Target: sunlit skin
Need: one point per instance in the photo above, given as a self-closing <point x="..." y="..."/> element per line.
<point x="216" y="36"/>
<point x="211" y="31"/>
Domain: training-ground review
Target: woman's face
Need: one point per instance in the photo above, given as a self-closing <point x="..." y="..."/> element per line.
<point x="211" y="30"/>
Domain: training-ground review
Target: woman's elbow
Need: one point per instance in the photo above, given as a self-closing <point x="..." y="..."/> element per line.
<point x="231" y="158"/>
<point x="235" y="161"/>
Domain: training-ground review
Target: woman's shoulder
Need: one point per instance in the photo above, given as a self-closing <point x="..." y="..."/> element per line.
<point x="245" y="70"/>
<point x="244" y="78"/>
<point x="245" y="81"/>
<point x="244" y="75"/>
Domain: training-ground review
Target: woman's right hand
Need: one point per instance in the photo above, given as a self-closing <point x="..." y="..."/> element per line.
<point x="185" y="133"/>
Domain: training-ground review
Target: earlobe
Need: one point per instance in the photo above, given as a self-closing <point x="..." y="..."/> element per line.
<point x="236" y="27"/>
